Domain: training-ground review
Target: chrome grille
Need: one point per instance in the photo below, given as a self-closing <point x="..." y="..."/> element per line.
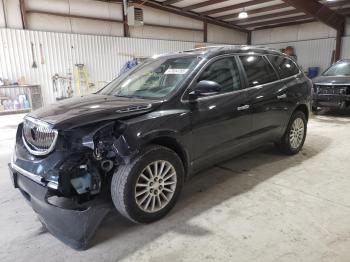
<point x="38" y="137"/>
<point x="331" y="90"/>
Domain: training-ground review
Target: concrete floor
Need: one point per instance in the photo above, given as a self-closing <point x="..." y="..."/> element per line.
<point x="262" y="206"/>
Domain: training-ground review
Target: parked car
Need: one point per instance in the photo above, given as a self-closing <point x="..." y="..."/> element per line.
<point x="136" y="141"/>
<point x="332" y="88"/>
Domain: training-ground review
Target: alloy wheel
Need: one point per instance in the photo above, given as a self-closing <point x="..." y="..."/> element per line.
<point x="296" y="134"/>
<point x="155" y="186"/>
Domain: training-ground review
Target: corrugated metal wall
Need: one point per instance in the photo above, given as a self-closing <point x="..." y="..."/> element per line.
<point x="346" y="47"/>
<point x="313" y="42"/>
<point x="311" y="52"/>
<point x="301" y="32"/>
<point x="103" y="55"/>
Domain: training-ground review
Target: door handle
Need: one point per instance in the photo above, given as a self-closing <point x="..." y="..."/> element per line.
<point x="245" y="107"/>
<point x="282" y="96"/>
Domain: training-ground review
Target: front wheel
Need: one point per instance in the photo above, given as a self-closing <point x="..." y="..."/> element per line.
<point x="146" y="189"/>
<point x="294" y="137"/>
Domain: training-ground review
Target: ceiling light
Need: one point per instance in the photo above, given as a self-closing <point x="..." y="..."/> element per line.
<point x="250" y="58"/>
<point x="243" y="14"/>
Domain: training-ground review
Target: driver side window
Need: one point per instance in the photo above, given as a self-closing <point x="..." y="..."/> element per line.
<point x="224" y="72"/>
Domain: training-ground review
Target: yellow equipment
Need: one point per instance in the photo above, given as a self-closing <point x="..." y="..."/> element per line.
<point x="81" y="76"/>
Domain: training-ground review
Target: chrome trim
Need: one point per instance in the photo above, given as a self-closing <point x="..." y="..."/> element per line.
<point x="52" y="185"/>
<point x="331" y="84"/>
<point x="245" y="107"/>
<point x="245" y="89"/>
<point x="33" y="177"/>
<point x="45" y="152"/>
<point x="39" y="152"/>
<point x="134" y="108"/>
<point x="282" y="96"/>
<point x="37" y="121"/>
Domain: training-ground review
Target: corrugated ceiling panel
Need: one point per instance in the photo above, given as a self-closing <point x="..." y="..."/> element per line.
<point x="256" y="6"/>
<point x="262" y="13"/>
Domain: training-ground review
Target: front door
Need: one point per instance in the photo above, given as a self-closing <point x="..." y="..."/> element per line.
<point x="220" y="122"/>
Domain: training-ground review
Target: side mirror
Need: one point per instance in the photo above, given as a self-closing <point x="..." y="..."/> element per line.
<point x="205" y="88"/>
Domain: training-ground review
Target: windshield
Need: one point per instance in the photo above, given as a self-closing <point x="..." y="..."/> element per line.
<point x="338" y="69"/>
<point x="155" y="78"/>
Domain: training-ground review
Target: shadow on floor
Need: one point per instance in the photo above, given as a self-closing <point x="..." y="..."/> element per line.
<point x="203" y="192"/>
<point x="334" y="116"/>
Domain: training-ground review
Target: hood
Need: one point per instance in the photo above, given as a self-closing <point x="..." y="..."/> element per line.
<point x="93" y="108"/>
<point x="332" y="80"/>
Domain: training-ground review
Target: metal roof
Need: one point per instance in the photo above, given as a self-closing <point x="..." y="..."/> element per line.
<point x="261" y="13"/>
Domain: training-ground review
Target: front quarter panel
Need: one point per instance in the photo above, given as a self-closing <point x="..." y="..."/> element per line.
<point x="172" y="123"/>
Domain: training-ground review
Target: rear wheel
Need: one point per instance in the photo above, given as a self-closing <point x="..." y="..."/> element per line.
<point x="147" y="189"/>
<point x="294" y="137"/>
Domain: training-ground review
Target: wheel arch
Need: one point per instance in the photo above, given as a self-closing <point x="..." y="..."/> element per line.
<point x="303" y="108"/>
<point x="173" y="144"/>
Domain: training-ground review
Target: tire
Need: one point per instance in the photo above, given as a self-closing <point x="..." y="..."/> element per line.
<point x="286" y="144"/>
<point x="125" y="193"/>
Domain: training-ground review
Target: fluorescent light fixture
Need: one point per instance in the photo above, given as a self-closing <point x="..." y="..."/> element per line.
<point x="250" y="59"/>
<point x="243" y="15"/>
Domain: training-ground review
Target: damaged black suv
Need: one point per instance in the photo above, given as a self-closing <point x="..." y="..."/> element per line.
<point x="332" y="87"/>
<point x="138" y="139"/>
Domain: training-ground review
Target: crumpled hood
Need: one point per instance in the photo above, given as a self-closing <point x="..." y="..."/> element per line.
<point x="332" y="80"/>
<point x="88" y="109"/>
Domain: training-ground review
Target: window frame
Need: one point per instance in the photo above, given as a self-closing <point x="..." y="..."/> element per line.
<point x="242" y="74"/>
<point x="267" y="61"/>
<point x="233" y="61"/>
<point x="285" y="57"/>
<point x="191" y="86"/>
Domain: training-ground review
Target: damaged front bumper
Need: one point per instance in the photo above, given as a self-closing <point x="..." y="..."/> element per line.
<point x="340" y="101"/>
<point x="75" y="224"/>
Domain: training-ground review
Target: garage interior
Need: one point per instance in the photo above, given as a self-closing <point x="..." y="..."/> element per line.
<point x="261" y="206"/>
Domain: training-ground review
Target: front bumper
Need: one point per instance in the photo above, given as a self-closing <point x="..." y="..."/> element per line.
<point x="330" y="100"/>
<point x="74" y="226"/>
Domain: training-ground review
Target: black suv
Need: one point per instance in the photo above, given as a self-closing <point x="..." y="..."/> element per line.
<point x="138" y="139"/>
<point x="332" y="88"/>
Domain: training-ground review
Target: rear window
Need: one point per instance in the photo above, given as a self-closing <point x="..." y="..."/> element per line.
<point x="284" y="66"/>
<point x="258" y="70"/>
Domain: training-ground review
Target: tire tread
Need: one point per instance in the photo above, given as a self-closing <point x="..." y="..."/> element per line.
<point x="284" y="144"/>
<point x="119" y="183"/>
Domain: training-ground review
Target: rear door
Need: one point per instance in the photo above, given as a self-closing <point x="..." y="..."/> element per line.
<point x="266" y="97"/>
<point x="221" y="122"/>
<point x="296" y="85"/>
